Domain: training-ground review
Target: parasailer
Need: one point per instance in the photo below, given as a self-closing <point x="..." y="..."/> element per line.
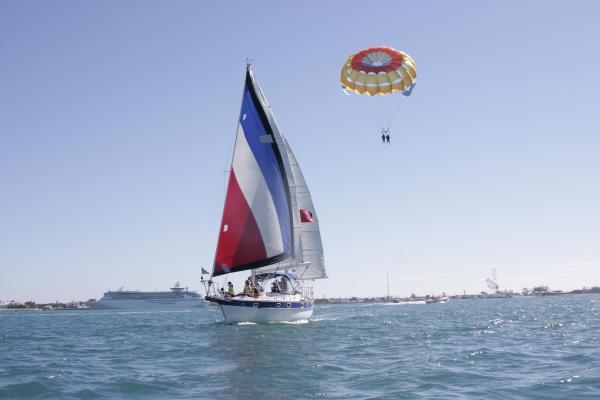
<point x="379" y="71"/>
<point x="385" y="136"/>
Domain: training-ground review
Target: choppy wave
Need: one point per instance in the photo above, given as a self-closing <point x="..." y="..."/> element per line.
<point x="534" y="348"/>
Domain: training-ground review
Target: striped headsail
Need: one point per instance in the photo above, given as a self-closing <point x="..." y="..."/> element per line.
<point x="256" y="229"/>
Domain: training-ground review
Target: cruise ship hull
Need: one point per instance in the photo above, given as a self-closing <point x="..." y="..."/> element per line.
<point x="148" y="304"/>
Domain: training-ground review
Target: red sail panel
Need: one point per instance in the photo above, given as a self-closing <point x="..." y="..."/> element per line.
<point x="240" y="242"/>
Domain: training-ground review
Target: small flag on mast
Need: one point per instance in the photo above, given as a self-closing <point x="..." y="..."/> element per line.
<point x="204" y="271"/>
<point x="306" y="216"/>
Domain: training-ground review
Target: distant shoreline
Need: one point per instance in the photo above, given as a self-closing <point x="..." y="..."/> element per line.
<point x="437" y="299"/>
<point x="544" y="291"/>
<point x="33" y="306"/>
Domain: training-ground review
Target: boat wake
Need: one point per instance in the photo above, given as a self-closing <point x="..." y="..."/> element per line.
<point x="298" y="322"/>
<point x="323" y="319"/>
<point x="404" y="303"/>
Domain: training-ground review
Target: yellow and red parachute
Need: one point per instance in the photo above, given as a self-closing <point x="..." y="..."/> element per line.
<point x="379" y="71"/>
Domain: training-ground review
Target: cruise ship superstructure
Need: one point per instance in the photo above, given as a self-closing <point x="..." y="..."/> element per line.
<point x="177" y="298"/>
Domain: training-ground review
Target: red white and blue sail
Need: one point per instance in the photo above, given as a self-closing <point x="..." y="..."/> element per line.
<point x="256" y="229"/>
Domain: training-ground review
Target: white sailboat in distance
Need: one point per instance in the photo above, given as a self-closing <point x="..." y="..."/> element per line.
<point x="269" y="224"/>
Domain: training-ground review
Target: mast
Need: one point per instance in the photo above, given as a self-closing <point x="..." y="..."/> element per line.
<point x="388" y="284"/>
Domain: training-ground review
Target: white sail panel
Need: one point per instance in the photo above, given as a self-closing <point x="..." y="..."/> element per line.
<point x="257" y="194"/>
<point x="308" y="248"/>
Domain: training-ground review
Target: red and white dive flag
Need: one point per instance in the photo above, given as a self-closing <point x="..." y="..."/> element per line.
<point x="306" y="216"/>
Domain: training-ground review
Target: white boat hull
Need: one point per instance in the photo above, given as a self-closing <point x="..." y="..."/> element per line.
<point x="148" y="304"/>
<point x="263" y="309"/>
<point x="233" y="314"/>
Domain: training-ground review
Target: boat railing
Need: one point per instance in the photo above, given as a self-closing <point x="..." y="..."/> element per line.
<point x="307" y="292"/>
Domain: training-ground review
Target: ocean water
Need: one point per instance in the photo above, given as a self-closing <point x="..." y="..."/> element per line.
<point x="522" y="348"/>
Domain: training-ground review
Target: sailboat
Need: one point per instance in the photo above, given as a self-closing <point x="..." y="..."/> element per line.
<point x="269" y="225"/>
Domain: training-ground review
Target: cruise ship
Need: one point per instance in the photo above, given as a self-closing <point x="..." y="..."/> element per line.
<point x="178" y="298"/>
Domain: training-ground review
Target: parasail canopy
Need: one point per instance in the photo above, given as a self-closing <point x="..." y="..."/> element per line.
<point x="379" y="71"/>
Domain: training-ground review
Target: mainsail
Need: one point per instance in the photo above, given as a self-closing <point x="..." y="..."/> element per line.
<point x="269" y="220"/>
<point x="308" y="249"/>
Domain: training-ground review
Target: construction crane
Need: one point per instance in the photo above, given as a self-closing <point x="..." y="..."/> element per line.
<point x="493" y="283"/>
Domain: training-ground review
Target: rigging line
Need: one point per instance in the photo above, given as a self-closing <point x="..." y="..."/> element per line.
<point x="229" y="160"/>
<point x="232" y="141"/>
<point x="231" y="149"/>
<point x="225" y="180"/>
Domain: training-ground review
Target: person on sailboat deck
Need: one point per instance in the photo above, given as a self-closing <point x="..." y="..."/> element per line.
<point x="247" y="288"/>
<point x="283" y="286"/>
<point x="230" y="290"/>
<point x="275" y="287"/>
<point x="256" y="289"/>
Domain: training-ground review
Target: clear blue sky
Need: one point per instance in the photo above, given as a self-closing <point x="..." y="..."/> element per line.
<point x="117" y="121"/>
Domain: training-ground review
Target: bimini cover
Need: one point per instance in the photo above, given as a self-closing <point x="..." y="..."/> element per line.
<point x="274" y="275"/>
<point x="256" y="228"/>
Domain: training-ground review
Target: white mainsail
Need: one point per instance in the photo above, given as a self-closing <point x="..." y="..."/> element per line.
<point x="307" y="261"/>
<point x="308" y="248"/>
